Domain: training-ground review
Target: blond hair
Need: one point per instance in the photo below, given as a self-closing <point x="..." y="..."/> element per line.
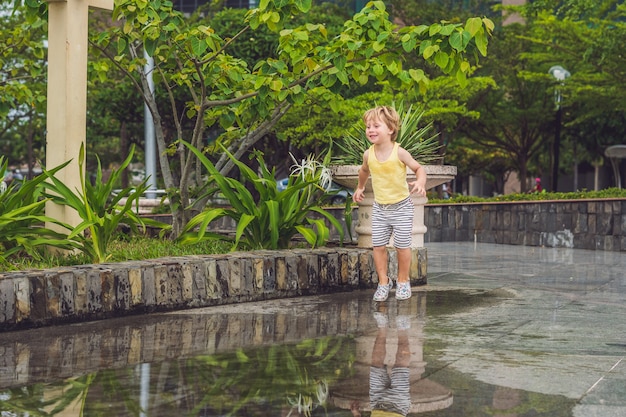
<point x="386" y="114"/>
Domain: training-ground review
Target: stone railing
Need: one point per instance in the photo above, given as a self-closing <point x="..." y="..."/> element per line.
<point x="581" y="224"/>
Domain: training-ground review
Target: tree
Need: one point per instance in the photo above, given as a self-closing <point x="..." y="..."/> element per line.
<point x="587" y="38"/>
<point x="310" y="126"/>
<point x="301" y="119"/>
<point x="446" y="105"/>
<point x="474" y="159"/>
<point x="247" y="102"/>
<point x="22" y="84"/>
<point x="413" y="11"/>
<point x="515" y="116"/>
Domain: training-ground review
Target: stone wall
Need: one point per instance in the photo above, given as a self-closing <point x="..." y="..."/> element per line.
<point x="581" y="224"/>
<point x="90" y="292"/>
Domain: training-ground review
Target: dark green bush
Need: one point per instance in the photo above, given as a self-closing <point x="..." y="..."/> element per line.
<point x="577" y="195"/>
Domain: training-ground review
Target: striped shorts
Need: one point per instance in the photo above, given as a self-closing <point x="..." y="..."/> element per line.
<point x="390" y="393"/>
<point x="393" y="218"/>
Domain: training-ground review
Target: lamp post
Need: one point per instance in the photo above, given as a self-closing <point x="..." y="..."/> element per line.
<point x="560" y="74"/>
<point x="149" y="135"/>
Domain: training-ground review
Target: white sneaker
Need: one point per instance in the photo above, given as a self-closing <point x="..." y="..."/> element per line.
<point x="403" y="290"/>
<point x="382" y="292"/>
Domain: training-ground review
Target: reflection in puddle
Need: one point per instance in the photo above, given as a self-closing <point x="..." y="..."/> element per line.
<point x="335" y="355"/>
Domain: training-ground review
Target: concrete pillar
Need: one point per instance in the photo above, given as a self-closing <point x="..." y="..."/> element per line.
<point x="67" y="92"/>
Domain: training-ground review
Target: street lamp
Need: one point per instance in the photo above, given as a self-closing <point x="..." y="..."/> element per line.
<point x="560" y="74"/>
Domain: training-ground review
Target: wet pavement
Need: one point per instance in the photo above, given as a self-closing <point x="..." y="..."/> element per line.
<point x="498" y="331"/>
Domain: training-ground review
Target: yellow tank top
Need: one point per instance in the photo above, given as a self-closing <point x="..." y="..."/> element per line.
<point x="388" y="177"/>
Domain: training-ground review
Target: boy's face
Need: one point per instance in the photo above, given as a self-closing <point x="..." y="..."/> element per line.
<point x="377" y="131"/>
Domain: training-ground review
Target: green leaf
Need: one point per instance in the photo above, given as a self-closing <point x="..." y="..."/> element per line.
<point x="378" y="46"/>
<point x="323" y="234"/>
<point x="275" y="221"/>
<point x="242" y="225"/>
<point x="459" y="40"/>
<point x="276" y="85"/>
<point x="481" y="42"/>
<point x="409" y="45"/>
<point x="309" y="235"/>
<point x="198" y="46"/>
<point x="488" y="24"/>
<point x="473" y="25"/>
<point x="150" y="45"/>
<point x="448" y="29"/>
<point x="429" y="51"/>
<point x="121" y="46"/>
<point x="417" y="75"/>
<point x="441" y="59"/>
<point x="340" y="62"/>
<point x="343" y="77"/>
<point x="461" y="78"/>
<point x="434" y="29"/>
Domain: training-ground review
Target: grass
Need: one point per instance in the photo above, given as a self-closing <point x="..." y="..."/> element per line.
<point x="122" y="249"/>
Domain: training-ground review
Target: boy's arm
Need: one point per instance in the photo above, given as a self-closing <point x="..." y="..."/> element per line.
<point x="419" y="185"/>
<point x="364" y="173"/>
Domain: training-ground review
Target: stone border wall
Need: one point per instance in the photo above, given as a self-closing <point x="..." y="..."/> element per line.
<point x="580" y="224"/>
<point x="90" y="292"/>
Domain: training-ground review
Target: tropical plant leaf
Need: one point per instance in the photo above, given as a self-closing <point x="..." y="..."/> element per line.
<point x="22" y="218"/>
<point x="413" y="136"/>
<point x="99" y="208"/>
<point x="273" y="220"/>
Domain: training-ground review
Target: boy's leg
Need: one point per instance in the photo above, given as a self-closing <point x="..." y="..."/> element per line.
<point x="404" y="264"/>
<point x="402" y="237"/>
<point x="384" y="283"/>
<point x="381" y="232"/>
<point x="380" y="263"/>
<point x="403" y="286"/>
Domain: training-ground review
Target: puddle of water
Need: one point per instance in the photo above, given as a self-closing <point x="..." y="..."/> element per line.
<point x="308" y="356"/>
<point x="263" y="381"/>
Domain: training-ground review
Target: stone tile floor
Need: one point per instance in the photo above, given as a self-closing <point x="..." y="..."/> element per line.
<point x="562" y="332"/>
<point x="498" y="331"/>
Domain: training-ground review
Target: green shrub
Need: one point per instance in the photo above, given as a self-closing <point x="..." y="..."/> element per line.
<point x="22" y="219"/>
<point x="275" y="217"/>
<point x="577" y="195"/>
<point x="100" y="209"/>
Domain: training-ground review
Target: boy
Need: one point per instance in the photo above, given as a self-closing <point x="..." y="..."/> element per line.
<point x="393" y="209"/>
